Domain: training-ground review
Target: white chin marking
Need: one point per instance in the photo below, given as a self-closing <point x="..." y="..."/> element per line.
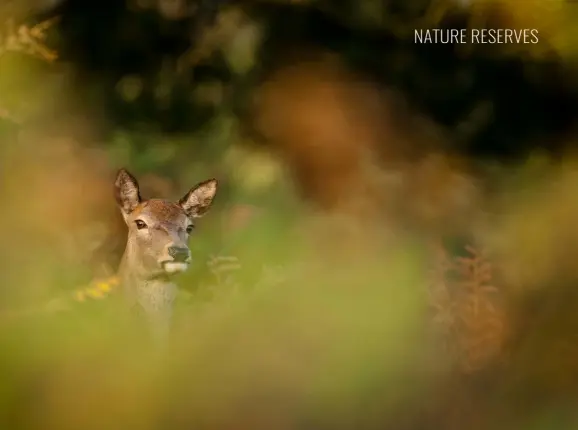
<point x="174" y="267"/>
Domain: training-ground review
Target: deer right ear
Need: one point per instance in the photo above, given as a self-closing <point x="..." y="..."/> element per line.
<point x="199" y="199"/>
<point x="126" y="192"/>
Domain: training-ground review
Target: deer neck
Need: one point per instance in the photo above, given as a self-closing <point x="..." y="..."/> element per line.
<point x="153" y="297"/>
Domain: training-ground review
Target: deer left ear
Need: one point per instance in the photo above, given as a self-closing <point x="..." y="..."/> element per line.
<point x="126" y="192"/>
<point x="199" y="199"/>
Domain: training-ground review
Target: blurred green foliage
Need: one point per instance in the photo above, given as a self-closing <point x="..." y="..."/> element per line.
<point x="289" y="319"/>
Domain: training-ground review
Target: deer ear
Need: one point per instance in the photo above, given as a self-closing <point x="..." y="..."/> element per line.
<point x="199" y="199"/>
<point x="126" y="192"/>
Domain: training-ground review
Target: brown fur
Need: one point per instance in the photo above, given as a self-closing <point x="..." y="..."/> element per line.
<point x="162" y="209"/>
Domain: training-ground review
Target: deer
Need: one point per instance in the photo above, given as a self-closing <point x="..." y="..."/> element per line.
<point x="157" y="247"/>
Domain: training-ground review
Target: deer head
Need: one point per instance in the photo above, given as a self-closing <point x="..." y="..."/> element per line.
<point x="158" y="230"/>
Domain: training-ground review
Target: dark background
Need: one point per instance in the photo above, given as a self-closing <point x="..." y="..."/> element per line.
<point x="534" y="100"/>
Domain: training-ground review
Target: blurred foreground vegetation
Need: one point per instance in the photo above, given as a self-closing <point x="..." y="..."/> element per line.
<point x="393" y="244"/>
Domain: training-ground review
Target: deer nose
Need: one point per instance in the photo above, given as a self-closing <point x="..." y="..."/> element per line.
<point x="179" y="254"/>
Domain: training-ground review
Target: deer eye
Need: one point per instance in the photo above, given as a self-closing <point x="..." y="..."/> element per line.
<point x="190" y="228"/>
<point x="140" y="224"/>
